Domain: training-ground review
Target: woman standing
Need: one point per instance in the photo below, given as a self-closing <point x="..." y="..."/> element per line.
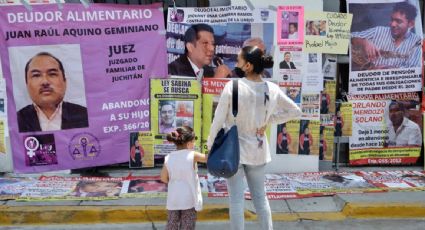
<point x="259" y="103"/>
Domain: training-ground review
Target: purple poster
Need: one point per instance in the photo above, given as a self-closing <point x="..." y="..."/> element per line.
<point x="78" y="81"/>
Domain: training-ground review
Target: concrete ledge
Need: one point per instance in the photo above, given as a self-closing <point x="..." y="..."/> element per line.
<point x="33" y="215"/>
<point x="325" y="216"/>
<point x="384" y="210"/>
<point x="45" y="215"/>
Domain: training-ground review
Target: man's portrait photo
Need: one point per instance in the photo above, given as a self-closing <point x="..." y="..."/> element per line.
<point x="294" y="93"/>
<point x="385" y="36"/>
<point x="167" y="116"/>
<point x="48" y="88"/>
<point x="402" y="131"/>
<point x="287" y="63"/>
<point x="198" y="54"/>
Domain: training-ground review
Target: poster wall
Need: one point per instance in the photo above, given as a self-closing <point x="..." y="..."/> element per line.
<point x="387" y="129"/>
<point x="94" y="93"/>
<point x="174" y="103"/>
<point x="385" y="54"/>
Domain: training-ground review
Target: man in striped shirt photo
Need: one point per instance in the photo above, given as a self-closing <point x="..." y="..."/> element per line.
<point x="386" y="47"/>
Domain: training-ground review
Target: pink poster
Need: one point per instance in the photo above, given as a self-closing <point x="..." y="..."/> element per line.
<point x="290" y="25"/>
<point x="77" y="81"/>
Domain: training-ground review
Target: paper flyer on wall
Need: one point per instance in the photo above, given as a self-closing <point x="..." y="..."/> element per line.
<point x="309" y="137"/>
<point x="387" y="129"/>
<point x="310" y="106"/>
<point x="174" y="103"/>
<point x="327" y="130"/>
<point x="327" y="32"/>
<point x="327" y="97"/>
<point x="141" y="150"/>
<point x="100" y="101"/>
<point x="385" y="54"/>
<point x="299" y="79"/>
<point x="343" y="119"/>
<point x="329" y="67"/>
<point x="290" y="29"/>
<point x="312" y="80"/>
<point x="232" y="26"/>
<point x="290" y="66"/>
<point x="211" y="91"/>
<point x="287" y="137"/>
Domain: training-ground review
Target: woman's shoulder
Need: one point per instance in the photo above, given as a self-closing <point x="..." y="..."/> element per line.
<point x="272" y="86"/>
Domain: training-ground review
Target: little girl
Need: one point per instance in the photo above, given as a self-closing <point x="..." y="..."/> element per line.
<point x="180" y="172"/>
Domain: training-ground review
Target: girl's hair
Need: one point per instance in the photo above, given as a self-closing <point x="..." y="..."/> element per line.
<point x="182" y="135"/>
<point x="257" y="58"/>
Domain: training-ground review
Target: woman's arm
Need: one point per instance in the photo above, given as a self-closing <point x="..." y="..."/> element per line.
<point x="287" y="109"/>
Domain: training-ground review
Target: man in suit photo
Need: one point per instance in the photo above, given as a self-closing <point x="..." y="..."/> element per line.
<point x="199" y="53"/>
<point x="46" y="84"/>
<point x="286" y="63"/>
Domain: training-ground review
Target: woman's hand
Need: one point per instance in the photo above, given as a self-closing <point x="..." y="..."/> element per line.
<point x="261" y="131"/>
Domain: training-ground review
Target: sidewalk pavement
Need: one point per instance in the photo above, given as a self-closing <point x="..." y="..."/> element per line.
<point x="405" y="204"/>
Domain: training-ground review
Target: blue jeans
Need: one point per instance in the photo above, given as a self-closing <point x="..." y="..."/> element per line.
<point x="235" y="184"/>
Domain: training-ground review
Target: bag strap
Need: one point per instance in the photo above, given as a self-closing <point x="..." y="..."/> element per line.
<point x="235" y="98"/>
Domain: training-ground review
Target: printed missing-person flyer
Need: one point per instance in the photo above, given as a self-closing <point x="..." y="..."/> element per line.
<point x="175" y="102"/>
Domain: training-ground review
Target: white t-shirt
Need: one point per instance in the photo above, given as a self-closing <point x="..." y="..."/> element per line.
<point x="407" y="134"/>
<point x="184" y="190"/>
<point x="278" y="109"/>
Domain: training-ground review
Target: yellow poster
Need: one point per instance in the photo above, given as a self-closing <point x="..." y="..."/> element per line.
<point x="309" y="137"/>
<point x="141" y="150"/>
<point x="328" y="97"/>
<point x="175" y="102"/>
<point x="327" y="142"/>
<point x="211" y="89"/>
<point x="344" y="120"/>
<point x="327" y="32"/>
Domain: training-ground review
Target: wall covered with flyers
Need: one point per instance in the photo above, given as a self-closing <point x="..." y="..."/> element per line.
<point x="373" y="96"/>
